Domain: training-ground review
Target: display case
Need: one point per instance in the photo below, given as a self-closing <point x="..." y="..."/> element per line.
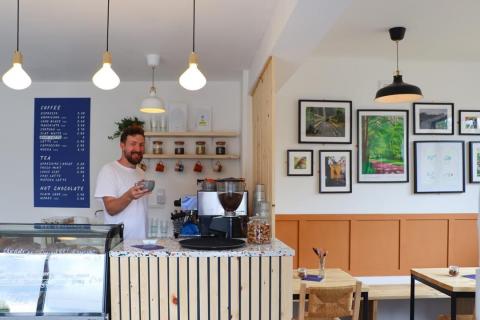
<point x="56" y="271"/>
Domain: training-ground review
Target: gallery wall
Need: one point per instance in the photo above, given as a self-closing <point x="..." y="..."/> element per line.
<point x="358" y="79"/>
<point x="16" y="130"/>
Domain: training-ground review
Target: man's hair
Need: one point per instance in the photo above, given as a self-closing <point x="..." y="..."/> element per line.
<point x="131" y="131"/>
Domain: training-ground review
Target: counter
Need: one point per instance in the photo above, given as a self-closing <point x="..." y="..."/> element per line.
<point x="252" y="282"/>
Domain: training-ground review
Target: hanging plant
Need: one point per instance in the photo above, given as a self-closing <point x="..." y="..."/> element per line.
<point x="125" y="123"/>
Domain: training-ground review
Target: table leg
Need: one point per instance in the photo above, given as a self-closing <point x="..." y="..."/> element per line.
<point x="365" y="305"/>
<point x="453" y="308"/>
<point x="412" y="298"/>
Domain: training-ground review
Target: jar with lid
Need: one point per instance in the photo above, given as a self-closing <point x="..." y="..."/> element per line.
<point x="179" y="148"/>
<point x="221" y="147"/>
<point x="258" y="230"/>
<point x="157" y="147"/>
<point x="200" y="147"/>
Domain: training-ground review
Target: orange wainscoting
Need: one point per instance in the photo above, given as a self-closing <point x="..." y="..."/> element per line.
<point x="381" y="244"/>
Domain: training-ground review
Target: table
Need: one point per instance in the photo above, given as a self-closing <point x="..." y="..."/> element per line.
<point x="333" y="277"/>
<point x="439" y="279"/>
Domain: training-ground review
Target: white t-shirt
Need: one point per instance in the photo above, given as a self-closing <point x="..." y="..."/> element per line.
<point x="114" y="180"/>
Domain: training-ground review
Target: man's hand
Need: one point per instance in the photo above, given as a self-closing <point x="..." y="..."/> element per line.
<point x="116" y="205"/>
<point x="137" y="191"/>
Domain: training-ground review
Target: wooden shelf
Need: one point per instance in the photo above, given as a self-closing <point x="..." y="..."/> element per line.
<point x="192" y="156"/>
<point x="194" y="134"/>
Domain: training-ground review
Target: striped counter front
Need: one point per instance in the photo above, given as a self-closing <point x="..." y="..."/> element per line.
<point x="253" y="282"/>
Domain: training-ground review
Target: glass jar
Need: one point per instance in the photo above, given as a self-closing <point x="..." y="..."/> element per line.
<point x="258" y="230"/>
<point x="157" y="147"/>
<point x="221" y="148"/>
<point x="179" y="148"/>
<point x="200" y="147"/>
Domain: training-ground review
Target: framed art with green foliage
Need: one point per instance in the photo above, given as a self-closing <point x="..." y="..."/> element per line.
<point x="474" y="163"/>
<point x="299" y="162"/>
<point x="382" y="146"/>
<point x="324" y="121"/>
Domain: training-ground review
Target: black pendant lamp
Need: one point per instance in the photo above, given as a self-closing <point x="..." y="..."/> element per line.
<point x="398" y="91"/>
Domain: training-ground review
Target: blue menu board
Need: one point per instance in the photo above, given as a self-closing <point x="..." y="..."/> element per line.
<point x="62" y="152"/>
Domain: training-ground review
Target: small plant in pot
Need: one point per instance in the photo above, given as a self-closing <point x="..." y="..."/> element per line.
<point x="125" y="123"/>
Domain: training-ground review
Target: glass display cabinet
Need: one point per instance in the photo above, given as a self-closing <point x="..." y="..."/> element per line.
<point x="56" y="271"/>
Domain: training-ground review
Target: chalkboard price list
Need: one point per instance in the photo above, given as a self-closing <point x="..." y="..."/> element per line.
<point x="62" y="152"/>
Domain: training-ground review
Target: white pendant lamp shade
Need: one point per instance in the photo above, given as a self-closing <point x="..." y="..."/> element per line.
<point x="16" y="78"/>
<point x="152" y="103"/>
<point x="192" y="79"/>
<point x="106" y="78"/>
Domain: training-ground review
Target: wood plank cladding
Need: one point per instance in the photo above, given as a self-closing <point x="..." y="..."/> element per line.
<point x="201" y="288"/>
<point x="381" y="244"/>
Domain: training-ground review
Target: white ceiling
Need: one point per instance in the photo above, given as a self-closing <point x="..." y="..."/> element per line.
<point x="63" y="40"/>
<point x="436" y="29"/>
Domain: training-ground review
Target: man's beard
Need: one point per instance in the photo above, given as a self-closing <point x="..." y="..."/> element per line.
<point x="129" y="157"/>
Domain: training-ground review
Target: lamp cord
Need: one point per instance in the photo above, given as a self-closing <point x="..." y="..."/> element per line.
<point x="193" y="49"/>
<point x="153" y="76"/>
<point x="108" y="20"/>
<point x="398" y="71"/>
<point x="18" y="23"/>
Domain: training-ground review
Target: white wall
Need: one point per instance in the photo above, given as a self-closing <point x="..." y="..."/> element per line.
<point x="16" y="130"/>
<point x="357" y="80"/>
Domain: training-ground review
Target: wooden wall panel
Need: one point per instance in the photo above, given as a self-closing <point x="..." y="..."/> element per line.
<point x="288" y="234"/>
<point x="375" y="247"/>
<point x="332" y="236"/>
<point x="464" y="246"/>
<point x="263" y="127"/>
<point x="383" y="244"/>
<point x="426" y="244"/>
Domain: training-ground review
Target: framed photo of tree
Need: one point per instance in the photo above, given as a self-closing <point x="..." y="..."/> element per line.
<point x="324" y="121"/>
<point x="439" y="166"/>
<point x="433" y="118"/>
<point x="335" y="171"/>
<point x="382" y="146"/>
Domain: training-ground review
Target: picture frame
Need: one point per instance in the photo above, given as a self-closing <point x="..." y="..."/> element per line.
<point x="469" y="122"/>
<point x="325" y="121"/>
<point x="433" y="118"/>
<point x="382" y="155"/>
<point x="335" y="171"/>
<point x="474" y="163"/>
<point x="299" y="162"/>
<point x="439" y="166"/>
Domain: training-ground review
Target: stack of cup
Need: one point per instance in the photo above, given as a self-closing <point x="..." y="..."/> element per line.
<point x="258" y="197"/>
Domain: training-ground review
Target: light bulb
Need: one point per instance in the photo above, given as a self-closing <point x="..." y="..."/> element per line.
<point x="106" y="78"/>
<point x="192" y="79"/>
<point x="16" y="78"/>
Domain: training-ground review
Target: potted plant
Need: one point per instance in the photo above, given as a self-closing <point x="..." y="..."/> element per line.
<point x="125" y="123"/>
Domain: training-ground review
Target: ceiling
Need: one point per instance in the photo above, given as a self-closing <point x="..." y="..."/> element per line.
<point x="64" y="40"/>
<point x="436" y="29"/>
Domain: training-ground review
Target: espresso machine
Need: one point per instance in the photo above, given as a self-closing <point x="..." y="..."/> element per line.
<point x="222" y="207"/>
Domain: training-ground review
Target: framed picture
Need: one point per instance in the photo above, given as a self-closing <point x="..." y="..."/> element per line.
<point x="382" y="146"/>
<point x="432" y="118"/>
<point x="335" y="171"/>
<point x="474" y="167"/>
<point x="439" y="166"/>
<point x="324" y="121"/>
<point x="299" y="162"/>
<point x="469" y="123"/>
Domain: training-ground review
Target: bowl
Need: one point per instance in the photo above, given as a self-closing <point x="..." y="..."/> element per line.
<point x="149" y="241"/>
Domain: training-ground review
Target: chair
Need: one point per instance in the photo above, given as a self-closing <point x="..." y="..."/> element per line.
<point x="327" y="303"/>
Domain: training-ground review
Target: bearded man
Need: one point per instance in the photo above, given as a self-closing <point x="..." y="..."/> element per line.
<point x="120" y="188"/>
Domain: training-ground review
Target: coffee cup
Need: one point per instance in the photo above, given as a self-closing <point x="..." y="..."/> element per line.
<point x="148" y="184"/>
<point x="179" y="166"/>
<point x="198" y="167"/>
<point x="217" y="167"/>
<point x="160" y="167"/>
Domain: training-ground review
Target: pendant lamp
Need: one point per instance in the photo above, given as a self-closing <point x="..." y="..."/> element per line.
<point x="193" y="79"/>
<point x="398" y="91"/>
<point x="105" y="78"/>
<point x="16" y="78"/>
<point x="153" y="103"/>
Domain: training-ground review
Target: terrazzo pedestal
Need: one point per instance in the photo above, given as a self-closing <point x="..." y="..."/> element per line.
<point x="253" y="282"/>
